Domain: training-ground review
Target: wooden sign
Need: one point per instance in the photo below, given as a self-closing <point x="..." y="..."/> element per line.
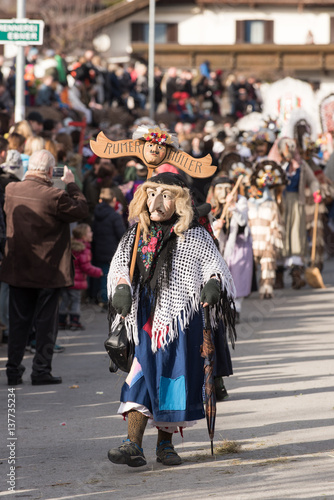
<point x="195" y="167"/>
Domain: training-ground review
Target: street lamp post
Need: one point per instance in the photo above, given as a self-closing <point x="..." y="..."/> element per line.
<point x="151" y="43"/>
<point x="19" y="71"/>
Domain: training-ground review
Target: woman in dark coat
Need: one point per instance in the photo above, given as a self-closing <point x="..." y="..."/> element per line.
<point x="108" y="229"/>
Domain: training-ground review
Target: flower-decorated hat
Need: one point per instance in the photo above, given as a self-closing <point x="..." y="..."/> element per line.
<point x="235" y="165"/>
<point x="156" y="135"/>
<point x="268" y="173"/>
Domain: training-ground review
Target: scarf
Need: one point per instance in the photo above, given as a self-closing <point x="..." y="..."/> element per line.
<point x="193" y="261"/>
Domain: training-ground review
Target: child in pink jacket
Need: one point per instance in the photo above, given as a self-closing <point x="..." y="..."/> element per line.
<point x="82" y="236"/>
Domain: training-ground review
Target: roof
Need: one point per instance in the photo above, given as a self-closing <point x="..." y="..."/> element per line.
<point x="112" y="14"/>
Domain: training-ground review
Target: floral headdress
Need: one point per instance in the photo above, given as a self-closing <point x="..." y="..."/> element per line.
<point x="156" y="135"/>
<point x="269" y="174"/>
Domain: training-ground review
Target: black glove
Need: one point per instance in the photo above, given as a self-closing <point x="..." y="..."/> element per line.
<point x="122" y="299"/>
<point x="211" y="292"/>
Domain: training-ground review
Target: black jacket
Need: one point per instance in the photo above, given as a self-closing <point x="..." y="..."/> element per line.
<point x="108" y="229"/>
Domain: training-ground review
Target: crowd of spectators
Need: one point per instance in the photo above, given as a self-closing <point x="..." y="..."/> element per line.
<point x="69" y="101"/>
<point x="87" y="85"/>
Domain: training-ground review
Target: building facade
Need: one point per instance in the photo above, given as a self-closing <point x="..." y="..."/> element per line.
<point x="268" y="37"/>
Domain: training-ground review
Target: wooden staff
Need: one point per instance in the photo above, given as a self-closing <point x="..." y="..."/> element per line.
<point x="135" y="247"/>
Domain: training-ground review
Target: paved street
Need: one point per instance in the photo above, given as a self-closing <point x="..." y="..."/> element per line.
<point x="280" y="413"/>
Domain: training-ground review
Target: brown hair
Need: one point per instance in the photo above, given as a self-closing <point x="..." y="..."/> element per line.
<point x="16" y="140"/>
<point x="79" y="231"/>
<point x="23" y="127"/>
<point x="51" y="146"/>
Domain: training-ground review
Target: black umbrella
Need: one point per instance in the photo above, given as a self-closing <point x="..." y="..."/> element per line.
<point x="207" y="352"/>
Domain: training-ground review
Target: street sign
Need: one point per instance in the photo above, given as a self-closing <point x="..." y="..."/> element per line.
<point x="22" y="32"/>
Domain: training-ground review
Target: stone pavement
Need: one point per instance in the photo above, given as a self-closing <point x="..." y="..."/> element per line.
<point x="280" y="412"/>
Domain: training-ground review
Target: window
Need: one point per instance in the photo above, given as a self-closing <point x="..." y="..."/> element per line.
<point x="331" y="30"/>
<point x="255" y="31"/>
<point x="164" y="33"/>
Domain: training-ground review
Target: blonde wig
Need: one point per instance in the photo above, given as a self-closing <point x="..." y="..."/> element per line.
<point x="183" y="207"/>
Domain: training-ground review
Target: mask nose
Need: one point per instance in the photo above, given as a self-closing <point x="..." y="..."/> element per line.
<point x="157" y="202"/>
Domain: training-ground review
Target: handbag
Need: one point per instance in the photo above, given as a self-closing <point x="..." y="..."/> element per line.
<point x="120" y="349"/>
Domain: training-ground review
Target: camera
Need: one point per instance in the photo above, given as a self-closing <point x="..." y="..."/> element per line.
<point x="58" y="172"/>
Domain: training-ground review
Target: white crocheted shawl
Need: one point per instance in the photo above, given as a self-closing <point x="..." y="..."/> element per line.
<point x="196" y="260"/>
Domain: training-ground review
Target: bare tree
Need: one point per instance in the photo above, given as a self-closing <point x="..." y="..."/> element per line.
<point x="59" y="17"/>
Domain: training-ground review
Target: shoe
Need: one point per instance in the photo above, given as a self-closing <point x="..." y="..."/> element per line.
<point x="77" y="327"/>
<point x="128" y="453"/>
<point x="279" y="278"/>
<point x="297" y="279"/>
<point x="103" y="306"/>
<point x="45" y="379"/>
<point x="75" y="323"/>
<point x="31" y="347"/>
<point x="15" y="381"/>
<point x="167" y="455"/>
<point x="63" y="326"/>
<point x="58" y="348"/>
<point x="221" y="392"/>
<point x="62" y="322"/>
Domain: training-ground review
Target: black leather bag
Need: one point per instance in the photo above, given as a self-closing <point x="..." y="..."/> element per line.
<point x="120" y="349"/>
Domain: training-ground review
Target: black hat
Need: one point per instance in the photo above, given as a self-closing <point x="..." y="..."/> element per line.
<point x="170" y="179"/>
<point x="35" y="116"/>
<point x="222" y="180"/>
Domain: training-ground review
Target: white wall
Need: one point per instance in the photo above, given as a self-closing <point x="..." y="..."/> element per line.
<point x="217" y="26"/>
<point x="291" y="28"/>
<point x="120" y="37"/>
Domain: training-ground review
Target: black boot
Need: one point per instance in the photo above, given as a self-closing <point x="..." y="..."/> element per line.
<point x="221" y="392"/>
<point x="297" y="280"/>
<point x="62" y="325"/>
<point x="75" y="322"/>
<point x="279" y="282"/>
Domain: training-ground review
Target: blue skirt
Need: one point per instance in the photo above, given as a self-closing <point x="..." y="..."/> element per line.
<point x="168" y="382"/>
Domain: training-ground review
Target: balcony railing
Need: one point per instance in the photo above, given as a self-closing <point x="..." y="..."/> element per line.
<point x="260" y="59"/>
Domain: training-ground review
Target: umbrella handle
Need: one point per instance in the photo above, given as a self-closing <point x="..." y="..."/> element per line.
<point x="207" y="324"/>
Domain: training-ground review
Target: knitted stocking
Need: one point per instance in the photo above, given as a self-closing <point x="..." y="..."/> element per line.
<point x="164" y="436"/>
<point x="136" y="426"/>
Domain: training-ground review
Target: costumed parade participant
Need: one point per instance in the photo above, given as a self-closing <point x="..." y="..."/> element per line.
<point x="177" y="268"/>
<point x="260" y="144"/>
<point x="233" y="234"/>
<point x="309" y="151"/>
<point x="163" y="316"/>
<point x="299" y="175"/>
<point x="265" y="223"/>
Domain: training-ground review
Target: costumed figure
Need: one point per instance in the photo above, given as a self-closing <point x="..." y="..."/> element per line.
<point x="308" y="150"/>
<point x="265" y="222"/>
<point x="178" y="267"/>
<point x="230" y="225"/>
<point x="299" y="175"/>
<point x="166" y="266"/>
<point x="260" y="144"/>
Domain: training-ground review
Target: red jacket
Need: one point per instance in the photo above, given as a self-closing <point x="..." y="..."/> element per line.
<point x="82" y="264"/>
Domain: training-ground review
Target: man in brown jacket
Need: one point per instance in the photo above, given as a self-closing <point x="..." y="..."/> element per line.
<point x="37" y="262"/>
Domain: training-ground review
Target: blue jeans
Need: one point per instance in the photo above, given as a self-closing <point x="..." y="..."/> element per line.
<point x="70" y="301"/>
